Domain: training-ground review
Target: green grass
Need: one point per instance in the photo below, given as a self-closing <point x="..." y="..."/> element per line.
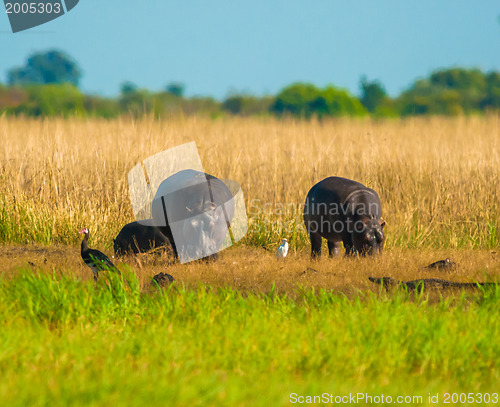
<point x="67" y="342"/>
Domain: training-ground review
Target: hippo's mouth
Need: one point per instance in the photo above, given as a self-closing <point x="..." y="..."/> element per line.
<point x="205" y="246"/>
<point x="373" y="251"/>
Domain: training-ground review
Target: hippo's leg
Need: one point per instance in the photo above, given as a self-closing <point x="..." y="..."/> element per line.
<point x="348" y="246"/>
<point x="349" y="250"/>
<point x="174" y="248"/>
<point x="211" y="258"/>
<point x="167" y="232"/>
<point x="333" y="248"/>
<point x="315" y="244"/>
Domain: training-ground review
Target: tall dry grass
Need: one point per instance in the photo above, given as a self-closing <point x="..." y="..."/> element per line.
<point x="438" y="178"/>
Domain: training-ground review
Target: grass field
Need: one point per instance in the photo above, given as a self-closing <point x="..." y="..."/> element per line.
<point x="64" y="342"/>
<point x="247" y="329"/>
<point x="438" y="178"/>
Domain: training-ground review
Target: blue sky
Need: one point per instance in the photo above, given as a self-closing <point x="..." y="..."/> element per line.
<point x="259" y="46"/>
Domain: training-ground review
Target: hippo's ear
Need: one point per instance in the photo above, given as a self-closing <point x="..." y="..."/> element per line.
<point x="382" y="224"/>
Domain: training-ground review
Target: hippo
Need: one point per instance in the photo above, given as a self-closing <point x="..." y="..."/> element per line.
<point x="194" y="210"/>
<point x="339" y="209"/>
<point x="137" y="237"/>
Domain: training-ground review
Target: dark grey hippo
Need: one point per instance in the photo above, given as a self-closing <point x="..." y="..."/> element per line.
<point x="194" y="210"/>
<point x="339" y="209"/>
<point x="139" y="237"/>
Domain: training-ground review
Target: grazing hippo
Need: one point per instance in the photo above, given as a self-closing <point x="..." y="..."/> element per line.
<point x="139" y="237"/>
<point x="339" y="209"/>
<point x="194" y="210"/>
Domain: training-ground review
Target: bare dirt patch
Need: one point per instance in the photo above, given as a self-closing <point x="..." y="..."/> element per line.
<point x="257" y="270"/>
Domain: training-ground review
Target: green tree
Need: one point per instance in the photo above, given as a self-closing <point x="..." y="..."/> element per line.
<point x="52" y="100"/>
<point x="306" y="100"/>
<point x="450" y="91"/>
<point x="127" y="88"/>
<point x="247" y="105"/>
<point x="45" y="68"/>
<point x="176" y="89"/>
<point x="492" y="99"/>
<point x="98" y="106"/>
<point x="373" y="94"/>
<point x="133" y="100"/>
<point x="296" y="100"/>
<point x="470" y="84"/>
<point x="332" y="101"/>
<point x="459" y="78"/>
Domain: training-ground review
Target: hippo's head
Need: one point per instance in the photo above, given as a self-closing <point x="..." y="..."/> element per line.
<point x="203" y="232"/>
<point x="368" y="235"/>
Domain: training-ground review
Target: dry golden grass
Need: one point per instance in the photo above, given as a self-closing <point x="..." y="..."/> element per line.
<point x="438" y="179"/>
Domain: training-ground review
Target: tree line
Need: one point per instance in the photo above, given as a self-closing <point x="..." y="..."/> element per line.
<point x="47" y="85"/>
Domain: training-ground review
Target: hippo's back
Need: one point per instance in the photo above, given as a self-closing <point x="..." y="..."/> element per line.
<point x="336" y="196"/>
<point x="334" y="189"/>
<point x="136" y="237"/>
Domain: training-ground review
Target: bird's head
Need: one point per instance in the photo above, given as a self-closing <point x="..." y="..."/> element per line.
<point x="84" y="230"/>
<point x="284" y="241"/>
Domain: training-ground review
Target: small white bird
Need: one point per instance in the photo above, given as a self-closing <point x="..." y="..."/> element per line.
<point x="282" y="250"/>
